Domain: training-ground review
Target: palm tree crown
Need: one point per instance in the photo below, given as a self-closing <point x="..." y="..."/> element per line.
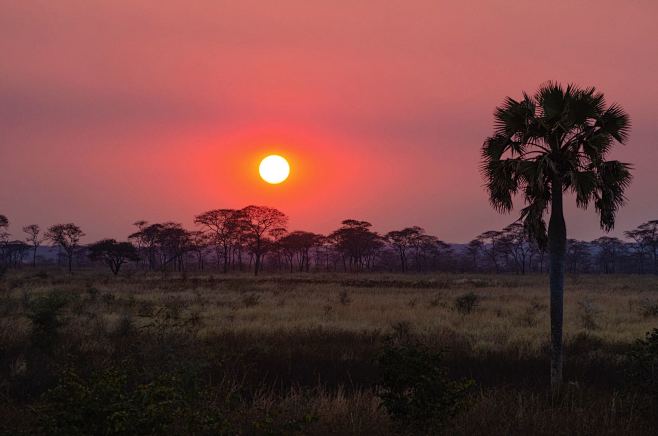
<point x="557" y="138"/>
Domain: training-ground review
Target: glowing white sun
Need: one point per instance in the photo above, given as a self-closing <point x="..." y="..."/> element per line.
<point x="274" y="169"/>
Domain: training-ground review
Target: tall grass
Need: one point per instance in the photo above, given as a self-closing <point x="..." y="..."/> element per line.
<point x="297" y="353"/>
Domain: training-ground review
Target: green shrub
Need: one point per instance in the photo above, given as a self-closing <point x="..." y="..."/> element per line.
<point x="44" y="314"/>
<point x="108" y="404"/>
<point x="415" y="390"/>
<point x="643" y="365"/>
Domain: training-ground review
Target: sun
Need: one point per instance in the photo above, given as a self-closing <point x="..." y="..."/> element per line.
<point x="274" y="169"/>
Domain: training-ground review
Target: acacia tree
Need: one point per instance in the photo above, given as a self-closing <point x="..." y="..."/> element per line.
<point x="516" y="244"/>
<point x="172" y="242"/>
<point x="357" y="243"/>
<point x="297" y="245"/>
<point x="609" y="251"/>
<point x="258" y="222"/>
<point x="199" y="242"/>
<point x="578" y="253"/>
<point x="490" y="243"/>
<point x="543" y="145"/>
<point x="473" y="249"/>
<point x="34" y="237"/>
<point x="222" y="224"/>
<point x="113" y="253"/>
<point x="639" y="246"/>
<point x="646" y="236"/>
<point x="67" y="236"/>
<point x="402" y="241"/>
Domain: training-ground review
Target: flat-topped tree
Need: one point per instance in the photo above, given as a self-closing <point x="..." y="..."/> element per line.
<point x="113" y="253"/>
<point x="543" y="145"/>
<point x="258" y="222"/>
<point x="223" y="224"/>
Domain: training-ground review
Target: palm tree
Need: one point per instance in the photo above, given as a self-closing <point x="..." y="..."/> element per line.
<point x="543" y="145"/>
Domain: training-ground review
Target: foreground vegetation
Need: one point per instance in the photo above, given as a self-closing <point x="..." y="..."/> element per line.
<point x="317" y="354"/>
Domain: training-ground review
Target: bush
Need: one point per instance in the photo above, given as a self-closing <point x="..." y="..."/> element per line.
<point x="415" y="389"/>
<point x="108" y="404"/>
<point x="44" y="314"/>
<point x="466" y="303"/>
<point x="643" y="365"/>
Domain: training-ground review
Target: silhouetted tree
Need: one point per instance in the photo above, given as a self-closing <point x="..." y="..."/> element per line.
<point x="34" y="237"/>
<point x="639" y="246"/>
<point x="402" y="241"/>
<point x="427" y="250"/>
<point x="147" y="238"/>
<point x="113" y="253"/>
<point x="609" y="250"/>
<point x="67" y="236"/>
<point x="473" y="250"/>
<point x="543" y="145"/>
<point x="172" y="241"/>
<point x="515" y="243"/>
<point x="490" y="241"/>
<point x="577" y="256"/>
<point x="199" y="242"/>
<point x="258" y="222"/>
<point x="296" y="246"/>
<point x="646" y="236"/>
<point x="14" y="252"/>
<point x="223" y="225"/>
<point x="140" y="224"/>
<point x="356" y="243"/>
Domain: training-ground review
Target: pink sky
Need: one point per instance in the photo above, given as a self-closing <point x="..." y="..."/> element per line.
<point x="113" y="111"/>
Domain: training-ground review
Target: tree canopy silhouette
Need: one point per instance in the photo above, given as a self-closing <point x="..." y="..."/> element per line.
<point x="113" y="253"/>
<point x="554" y="141"/>
<point x="259" y="222"/>
<point x="67" y="236"/>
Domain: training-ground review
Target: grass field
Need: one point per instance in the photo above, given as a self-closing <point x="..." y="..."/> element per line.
<point x="290" y="354"/>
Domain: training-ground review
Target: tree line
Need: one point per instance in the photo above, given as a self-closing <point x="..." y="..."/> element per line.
<point x="256" y="238"/>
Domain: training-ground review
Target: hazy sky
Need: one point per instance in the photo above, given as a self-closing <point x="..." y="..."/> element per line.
<point x="113" y="111"/>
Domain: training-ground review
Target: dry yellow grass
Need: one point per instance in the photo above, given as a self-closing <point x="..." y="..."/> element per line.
<point x="305" y="344"/>
<point x="512" y="311"/>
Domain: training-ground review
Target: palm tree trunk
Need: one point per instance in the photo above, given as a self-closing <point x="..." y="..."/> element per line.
<point x="557" y="243"/>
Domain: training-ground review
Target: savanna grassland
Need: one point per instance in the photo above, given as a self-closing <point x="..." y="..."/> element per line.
<point x="300" y="354"/>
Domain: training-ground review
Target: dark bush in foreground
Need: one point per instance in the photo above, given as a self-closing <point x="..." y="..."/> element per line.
<point x="466" y="303"/>
<point x="107" y="403"/>
<point x="44" y="314"/>
<point x="643" y="365"/>
<point x="415" y="390"/>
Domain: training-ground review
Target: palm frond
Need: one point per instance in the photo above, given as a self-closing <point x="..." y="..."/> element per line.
<point x="614" y="178"/>
<point x="616" y="123"/>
